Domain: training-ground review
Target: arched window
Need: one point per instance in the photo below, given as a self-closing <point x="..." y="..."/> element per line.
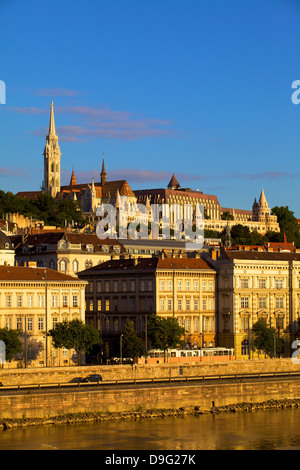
<point x="52" y="264"/>
<point x="63" y="265"/>
<point x="75" y="266"/>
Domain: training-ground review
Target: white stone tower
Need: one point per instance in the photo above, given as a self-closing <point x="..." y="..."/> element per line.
<point x="52" y="159"/>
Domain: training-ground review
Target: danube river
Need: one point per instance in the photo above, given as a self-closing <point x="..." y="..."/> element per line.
<point x="260" y="430"/>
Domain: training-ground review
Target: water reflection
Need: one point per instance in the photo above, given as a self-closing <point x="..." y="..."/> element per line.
<point x="268" y="430"/>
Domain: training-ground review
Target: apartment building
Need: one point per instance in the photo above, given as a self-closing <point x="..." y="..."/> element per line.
<point x="134" y="289"/>
<point x="33" y="300"/>
<point x="253" y="285"/>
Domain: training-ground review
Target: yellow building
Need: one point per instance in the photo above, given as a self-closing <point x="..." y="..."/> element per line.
<point x="254" y="285"/>
<point x="134" y="289"/>
<point x="33" y="300"/>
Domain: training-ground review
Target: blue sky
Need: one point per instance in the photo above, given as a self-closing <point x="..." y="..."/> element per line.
<point x="199" y="88"/>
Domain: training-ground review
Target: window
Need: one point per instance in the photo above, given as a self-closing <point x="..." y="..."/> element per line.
<point x="188" y="324"/>
<point x="106" y="286"/>
<point x="204" y="304"/>
<point x="244" y="302"/>
<point x="279" y="302"/>
<point x="170" y="286"/>
<point x="75" y="266"/>
<point x="8" y="301"/>
<point x="162" y="285"/>
<point x="280" y="323"/>
<point x="162" y="304"/>
<point x="99" y="287"/>
<point x="210" y="286"/>
<point x="19" y="323"/>
<point x="63" y="265"/>
<point x="116" y="286"/>
<point x="211" y="324"/>
<point x="142" y="285"/>
<point x="179" y="285"/>
<point x="196" y="286"/>
<point x="65" y="300"/>
<point x="99" y="305"/>
<point x="262" y="283"/>
<point x="196" y="304"/>
<point x="19" y="301"/>
<point x="244" y="283"/>
<point x="262" y="302"/>
<point x="150" y="285"/>
<point x="75" y="300"/>
<point x="187" y="286"/>
<point x="196" y="325"/>
<point x="188" y="304"/>
<point x="132" y="285"/>
<point x="41" y="301"/>
<point x="54" y="321"/>
<point x="29" y="324"/>
<point x="211" y="304"/>
<point x="179" y="304"/>
<point x="41" y="323"/>
<point x="30" y="300"/>
<point x="91" y="305"/>
<point x="204" y="286"/>
<point x="169" y="304"/>
<point x="107" y="305"/>
<point x="278" y="283"/>
<point x="8" y="323"/>
<point x="54" y="300"/>
<point x="132" y="305"/>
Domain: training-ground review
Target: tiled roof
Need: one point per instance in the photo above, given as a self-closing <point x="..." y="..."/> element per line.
<point x="20" y="273"/>
<point x="260" y="255"/>
<point x="151" y="264"/>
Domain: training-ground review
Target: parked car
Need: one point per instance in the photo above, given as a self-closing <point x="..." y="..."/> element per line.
<point x="93" y="378"/>
<point x="77" y="380"/>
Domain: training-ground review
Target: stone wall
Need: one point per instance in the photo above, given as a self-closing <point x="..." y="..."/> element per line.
<point x="65" y="374"/>
<point x="101" y="400"/>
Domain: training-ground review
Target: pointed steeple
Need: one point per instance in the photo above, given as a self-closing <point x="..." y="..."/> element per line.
<point x="173" y="184"/>
<point x="52" y="159"/>
<point x="262" y="199"/>
<point x="52" y="122"/>
<point x="73" y="181"/>
<point x="103" y="172"/>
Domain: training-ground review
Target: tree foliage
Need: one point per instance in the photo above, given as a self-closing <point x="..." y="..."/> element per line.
<point x="288" y="224"/>
<point x="45" y="208"/>
<point x="132" y="345"/>
<point x="164" y="333"/>
<point x="265" y="338"/>
<point x="75" y="335"/>
<point x="12" y="342"/>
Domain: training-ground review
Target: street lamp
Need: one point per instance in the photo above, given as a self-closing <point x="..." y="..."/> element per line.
<point x="121" y="349"/>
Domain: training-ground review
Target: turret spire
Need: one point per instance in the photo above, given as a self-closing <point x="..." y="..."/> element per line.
<point x="103" y="172"/>
<point x="52" y="122"/>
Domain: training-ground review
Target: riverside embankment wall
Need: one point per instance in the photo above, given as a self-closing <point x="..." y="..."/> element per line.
<point x="46" y="404"/>
<point x="65" y="374"/>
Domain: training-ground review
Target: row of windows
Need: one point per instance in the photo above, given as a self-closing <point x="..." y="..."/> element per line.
<point x="113" y="305"/>
<point x="262" y="283"/>
<point x="31" y="322"/>
<point x="168" y="285"/>
<point x="207" y="324"/>
<point x="121" y="286"/>
<point x="262" y="302"/>
<point x="207" y="304"/>
<point x="29" y="301"/>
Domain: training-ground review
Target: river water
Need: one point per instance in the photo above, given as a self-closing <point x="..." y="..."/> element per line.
<point x="260" y="430"/>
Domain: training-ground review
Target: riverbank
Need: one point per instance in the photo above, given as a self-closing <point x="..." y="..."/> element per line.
<point x="84" y="418"/>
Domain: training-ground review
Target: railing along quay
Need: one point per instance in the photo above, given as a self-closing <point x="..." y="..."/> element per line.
<point x="151" y="381"/>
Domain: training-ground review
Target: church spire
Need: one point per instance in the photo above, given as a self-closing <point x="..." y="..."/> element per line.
<point x="52" y="122"/>
<point x="103" y="172"/>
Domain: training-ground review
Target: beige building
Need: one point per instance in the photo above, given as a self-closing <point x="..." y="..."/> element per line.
<point x="254" y="285"/>
<point x="259" y="218"/>
<point x="134" y="289"/>
<point x="65" y="252"/>
<point x="33" y="300"/>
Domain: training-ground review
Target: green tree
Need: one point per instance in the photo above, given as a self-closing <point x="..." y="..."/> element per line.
<point x="12" y="342"/>
<point x="132" y="345"/>
<point x="265" y="338"/>
<point x="164" y="333"/>
<point x="75" y="335"/>
<point x="227" y="216"/>
<point x="288" y="224"/>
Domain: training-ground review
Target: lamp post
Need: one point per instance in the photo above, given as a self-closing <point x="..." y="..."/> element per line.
<point x="46" y="315"/>
<point x="121" y="349"/>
